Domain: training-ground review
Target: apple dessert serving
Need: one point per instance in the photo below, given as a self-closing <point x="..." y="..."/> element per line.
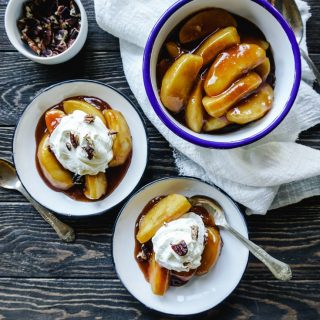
<point x="84" y="148"/>
<point x="215" y="72"/>
<point x="175" y="241"/>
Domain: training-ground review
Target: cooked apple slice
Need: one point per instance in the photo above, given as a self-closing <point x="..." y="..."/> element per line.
<point x="159" y="277"/>
<point x="230" y="65"/>
<point x="70" y="106"/>
<point x="211" y="251"/>
<point x="178" y="81"/>
<point x="253" y="108"/>
<point x="173" y="49"/>
<point x="213" y="124"/>
<point x="204" y="23"/>
<point x="178" y="279"/>
<point x="194" y="109"/>
<point x="259" y="42"/>
<point x="58" y="177"/>
<point x="95" y="186"/>
<point x="217" y="106"/>
<point x="167" y="209"/>
<point x="216" y="43"/>
<point x="122" y="144"/>
<point x="53" y="118"/>
<point x="264" y="69"/>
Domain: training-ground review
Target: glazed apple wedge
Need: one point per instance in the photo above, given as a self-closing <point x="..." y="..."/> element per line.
<point x="58" y="177"/>
<point x="167" y="209"/>
<point x="211" y="251"/>
<point x="122" y="144"/>
<point x="158" y="277"/>
<point x="69" y="106"/>
<point x="53" y="118"/>
<point x="95" y="186"/>
<point x="205" y="22"/>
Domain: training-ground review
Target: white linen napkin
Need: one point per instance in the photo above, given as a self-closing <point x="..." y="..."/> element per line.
<point x="269" y="173"/>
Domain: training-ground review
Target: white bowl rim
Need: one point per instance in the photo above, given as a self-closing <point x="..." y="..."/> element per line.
<point x="135" y="194"/>
<point x="139" y="113"/>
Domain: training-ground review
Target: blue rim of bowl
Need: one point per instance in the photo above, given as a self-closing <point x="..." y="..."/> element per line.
<point x="134" y="107"/>
<point x="136" y="194"/>
<point x="199" y="141"/>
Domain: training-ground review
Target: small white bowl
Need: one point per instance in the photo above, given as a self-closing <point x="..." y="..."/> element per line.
<point x="14" y="13"/>
<point x="286" y="56"/>
<point x="201" y="293"/>
<point x="24" y="148"/>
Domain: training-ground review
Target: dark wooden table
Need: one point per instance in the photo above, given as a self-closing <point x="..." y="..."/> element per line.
<point x="43" y="278"/>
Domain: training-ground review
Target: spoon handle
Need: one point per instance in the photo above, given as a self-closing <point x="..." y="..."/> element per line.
<point x="311" y="65"/>
<point x="65" y="232"/>
<point x="280" y="270"/>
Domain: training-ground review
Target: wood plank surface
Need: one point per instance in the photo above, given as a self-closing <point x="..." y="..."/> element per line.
<point x="43" y="278"/>
<point x="107" y="299"/>
<point x="23" y="252"/>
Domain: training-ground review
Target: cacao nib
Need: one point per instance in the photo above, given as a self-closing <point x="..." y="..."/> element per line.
<point x="49" y="27"/>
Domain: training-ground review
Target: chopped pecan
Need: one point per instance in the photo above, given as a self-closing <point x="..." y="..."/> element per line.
<point x="74" y="139"/>
<point x="180" y="248"/>
<point x="145" y="253"/>
<point x="90" y="151"/>
<point x="141" y="257"/>
<point x="205" y="238"/>
<point x="89" y="118"/>
<point x="194" y="232"/>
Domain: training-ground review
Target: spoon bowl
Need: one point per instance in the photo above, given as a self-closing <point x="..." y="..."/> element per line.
<point x="280" y="270"/>
<point x="9" y="180"/>
<point x="8" y="176"/>
<point x="291" y="13"/>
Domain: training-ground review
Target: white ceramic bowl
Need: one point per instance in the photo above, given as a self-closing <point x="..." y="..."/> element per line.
<point x="14" y="13"/>
<point x="286" y="56"/>
<point x="201" y="293"/>
<point x="24" y="148"/>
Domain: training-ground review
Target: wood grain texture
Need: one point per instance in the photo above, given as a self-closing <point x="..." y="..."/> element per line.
<point x="107" y="299"/>
<point x="23" y="252"/>
<point x="43" y="278"/>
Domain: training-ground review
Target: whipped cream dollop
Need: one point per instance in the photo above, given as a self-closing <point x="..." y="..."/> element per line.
<point x="178" y="245"/>
<point x="82" y="143"/>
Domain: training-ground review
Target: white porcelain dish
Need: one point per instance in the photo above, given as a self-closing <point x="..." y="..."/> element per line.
<point x="24" y="148"/>
<point x="287" y="61"/>
<point x="201" y="293"/>
<point x="12" y="15"/>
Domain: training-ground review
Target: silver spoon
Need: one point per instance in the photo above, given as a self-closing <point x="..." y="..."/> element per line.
<point x="10" y="180"/>
<point x="291" y="13"/>
<point x="280" y="270"/>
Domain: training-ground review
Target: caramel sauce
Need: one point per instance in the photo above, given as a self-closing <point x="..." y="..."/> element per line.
<point x="177" y="279"/>
<point x="114" y="175"/>
<point x="245" y="28"/>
